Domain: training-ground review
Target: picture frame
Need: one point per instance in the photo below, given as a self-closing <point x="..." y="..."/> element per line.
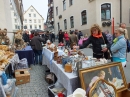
<point x="102" y="88"/>
<point x="112" y="72"/>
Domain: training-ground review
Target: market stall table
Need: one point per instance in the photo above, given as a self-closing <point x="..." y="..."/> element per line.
<point x="68" y="80"/>
<point x="48" y="56"/>
<point x="27" y="53"/>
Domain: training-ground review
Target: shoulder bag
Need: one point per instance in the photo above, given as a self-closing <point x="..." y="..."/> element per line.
<point x="106" y="54"/>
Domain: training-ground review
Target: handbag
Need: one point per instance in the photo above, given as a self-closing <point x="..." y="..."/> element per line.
<point x="107" y="54"/>
<point x="128" y="45"/>
<point x="50" y="78"/>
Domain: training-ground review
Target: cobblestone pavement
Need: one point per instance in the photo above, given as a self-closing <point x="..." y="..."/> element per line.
<point x="37" y="86"/>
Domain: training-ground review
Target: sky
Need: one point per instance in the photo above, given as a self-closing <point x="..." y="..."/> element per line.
<point x="40" y="5"/>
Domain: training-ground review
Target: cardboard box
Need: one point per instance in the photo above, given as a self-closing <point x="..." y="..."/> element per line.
<point x="22" y="76"/>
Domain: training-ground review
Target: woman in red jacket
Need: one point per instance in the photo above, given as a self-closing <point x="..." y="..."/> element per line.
<point x="31" y="36"/>
<point x="66" y="37"/>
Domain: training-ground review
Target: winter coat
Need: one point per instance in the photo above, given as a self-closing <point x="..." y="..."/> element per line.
<point x="26" y="37"/>
<point x="36" y="43"/>
<point x="109" y="38"/>
<point x="66" y="36"/>
<point x="61" y="36"/>
<point x="31" y="36"/>
<point x="80" y="34"/>
<point x="118" y="49"/>
<point x="96" y="42"/>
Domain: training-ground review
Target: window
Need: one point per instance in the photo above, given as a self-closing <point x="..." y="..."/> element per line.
<point x="84" y="17"/>
<point x="34" y="15"/>
<point x="30" y="26"/>
<point x="71" y="2"/>
<point x="15" y="20"/>
<point x="39" y="26"/>
<point x="56" y="10"/>
<point x="39" y="21"/>
<point x="34" y="20"/>
<point x="25" y="27"/>
<point x="35" y="26"/>
<point x="72" y="22"/>
<point x="31" y="10"/>
<point x="29" y="15"/>
<point x="30" y="21"/>
<point x="64" y="5"/>
<point x="14" y="14"/>
<point x="58" y="26"/>
<point x="16" y="27"/>
<point x="106" y="11"/>
<point x="65" y="24"/>
<point x="25" y="20"/>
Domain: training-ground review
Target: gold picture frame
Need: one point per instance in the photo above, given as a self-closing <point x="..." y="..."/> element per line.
<point x="102" y="88"/>
<point x="111" y="72"/>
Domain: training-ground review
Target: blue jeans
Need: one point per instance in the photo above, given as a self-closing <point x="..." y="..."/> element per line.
<point x="67" y="43"/>
<point x="38" y="56"/>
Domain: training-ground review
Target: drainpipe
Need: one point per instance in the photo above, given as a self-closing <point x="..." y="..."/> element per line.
<point x="120" y="11"/>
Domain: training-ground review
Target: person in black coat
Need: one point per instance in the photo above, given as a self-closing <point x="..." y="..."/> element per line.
<point x="61" y="36"/>
<point x="53" y="37"/>
<point x="99" y="42"/>
<point x="26" y="37"/>
<point x="37" y="47"/>
<point x="80" y="34"/>
<point x="43" y="35"/>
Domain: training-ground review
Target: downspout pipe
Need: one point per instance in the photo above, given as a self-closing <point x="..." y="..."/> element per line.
<point x="120" y="11"/>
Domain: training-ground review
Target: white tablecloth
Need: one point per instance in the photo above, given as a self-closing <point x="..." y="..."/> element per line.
<point x="46" y="52"/>
<point x="68" y="80"/>
<point x="49" y="55"/>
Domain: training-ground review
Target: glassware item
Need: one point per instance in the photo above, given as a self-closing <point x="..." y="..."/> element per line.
<point x="88" y="64"/>
<point x="74" y="68"/>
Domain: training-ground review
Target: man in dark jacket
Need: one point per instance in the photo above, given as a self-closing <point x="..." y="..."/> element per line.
<point x="26" y="37"/>
<point x="37" y="47"/>
<point x="53" y="37"/>
<point x="61" y="36"/>
<point x="47" y="36"/>
<point x="43" y="35"/>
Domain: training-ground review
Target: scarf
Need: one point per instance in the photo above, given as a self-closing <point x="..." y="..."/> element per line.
<point x="115" y="40"/>
<point x="98" y="35"/>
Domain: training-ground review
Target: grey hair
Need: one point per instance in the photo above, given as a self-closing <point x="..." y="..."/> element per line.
<point x="107" y="31"/>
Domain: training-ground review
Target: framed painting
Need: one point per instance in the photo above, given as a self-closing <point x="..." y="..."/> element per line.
<point x="111" y="72"/>
<point x="102" y="88"/>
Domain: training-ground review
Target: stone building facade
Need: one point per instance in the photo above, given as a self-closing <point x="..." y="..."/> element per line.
<point x="82" y="14"/>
